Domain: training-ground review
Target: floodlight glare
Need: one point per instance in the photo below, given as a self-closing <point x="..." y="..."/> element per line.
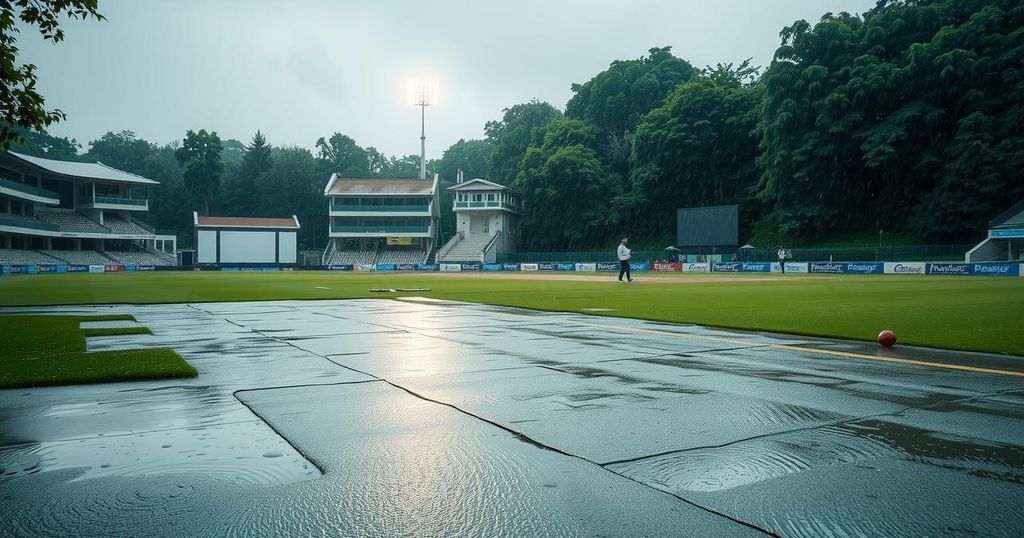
<point x="422" y="93"/>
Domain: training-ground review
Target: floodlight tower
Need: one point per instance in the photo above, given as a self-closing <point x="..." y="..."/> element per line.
<point x="422" y="93"/>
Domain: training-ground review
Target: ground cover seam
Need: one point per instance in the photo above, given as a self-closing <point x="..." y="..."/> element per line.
<point x="518" y="435"/>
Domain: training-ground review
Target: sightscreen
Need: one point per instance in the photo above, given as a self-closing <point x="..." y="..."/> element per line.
<point x="707" y="226"/>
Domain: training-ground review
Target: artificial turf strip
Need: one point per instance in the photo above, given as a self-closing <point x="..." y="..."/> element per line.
<point x="115" y="331"/>
<point x="50" y="350"/>
<point x="954" y="312"/>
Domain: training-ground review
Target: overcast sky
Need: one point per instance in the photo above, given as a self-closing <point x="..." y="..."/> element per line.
<point x="304" y="69"/>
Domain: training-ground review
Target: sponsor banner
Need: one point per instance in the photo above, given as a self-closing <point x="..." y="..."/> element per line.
<point x="645" y="266"/>
<point x="130" y="268"/>
<point x="948" y="268"/>
<point x="565" y="267"/>
<point x="96" y="268"/>
<point x="113" y="268"/>
<point x="471" y="266"/>
<point x="545" y="266"/>
<point x="492" y="267"/>
<point x="1006" y="233"/>
<point x="696" y="268"/>
<point x="607" y="266"/>
<point x="903" y="268"/>
<point x="427" y="267"/>
<point x="510" y="267"/>
<point x="662" y="266"/>
<point x="725" y="267"/>
<point x="405" y="267"/>
<point x="250" y="269"/>
<point x="996" y="269"/>
<point x="5" y="270"/>
<point x="78" y="268"/>
<point x="385" y="267"/>
<point x="399" y="241"/>
<point x="588" y="267"/>
<point x="145" y="268"/>
<point x="826" y="267"/>
<point x="61" y="268"/>
<point x="341" y="267"/>
<point x="451" y="267"/>
<point x="528" y="267"/>
<point x="791" y="266"/>
<point x="366" y="267"/>
<point x="747" y="267"/>
<point x="46" y="268"/>
<point x="865" y="268"/>
<point x="22" y="269"/>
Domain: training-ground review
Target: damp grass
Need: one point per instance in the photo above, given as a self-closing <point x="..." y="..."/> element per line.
<point x="954" y="312"/>
<point x="51" y="350"/>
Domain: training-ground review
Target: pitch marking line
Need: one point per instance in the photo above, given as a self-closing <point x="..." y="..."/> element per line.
<point x="848" y="354"/>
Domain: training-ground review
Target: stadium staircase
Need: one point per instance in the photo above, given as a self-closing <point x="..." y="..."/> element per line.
<point x="464" y="249"/>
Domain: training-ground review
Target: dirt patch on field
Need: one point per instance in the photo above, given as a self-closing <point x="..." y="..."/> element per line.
<point x="666" y="279"/>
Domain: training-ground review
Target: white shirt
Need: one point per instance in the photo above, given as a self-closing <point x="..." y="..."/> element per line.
<point x="623" y="253"/>
<point x="782" y="254"/>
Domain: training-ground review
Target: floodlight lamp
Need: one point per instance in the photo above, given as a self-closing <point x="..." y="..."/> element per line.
<point x="421" y="92"/>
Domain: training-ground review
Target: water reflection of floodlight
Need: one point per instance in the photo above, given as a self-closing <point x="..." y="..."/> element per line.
<point x="422" y="93"/>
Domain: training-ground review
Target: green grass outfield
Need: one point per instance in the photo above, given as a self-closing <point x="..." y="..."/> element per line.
<point x="51" y="350"/>
<point x="956" y="312"/>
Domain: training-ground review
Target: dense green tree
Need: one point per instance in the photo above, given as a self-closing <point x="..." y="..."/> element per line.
<point x="120" y="150"/>
<point x="511" y="135"/>
<point x="241" y="194"/>
<point x="615" y="99"/>
<point x="377" y="162"/>
<point x="470" y="156"/>
<point x="565" y="166"/>
<point x="200" y="159"/>
<point x="907" y="118"/>
<point x="697" y="149"/>
<point x="345" y="156"/>
<point x="42" y="144"/>
<point x="407" y="167"/>
<point x="233" y="151"/>
<point x="170" y="204"/>
<point x="21" y="105"/>
<point x="294" y="185"/>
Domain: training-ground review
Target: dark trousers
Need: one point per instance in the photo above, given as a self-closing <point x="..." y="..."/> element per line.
<point x="782" y="266"/>
<point x="624" y="270"/>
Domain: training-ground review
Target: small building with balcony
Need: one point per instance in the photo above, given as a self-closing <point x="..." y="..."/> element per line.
<point x="486" y="222"/>
<point x="381" y="220"/>
<point x="54" y="212"/>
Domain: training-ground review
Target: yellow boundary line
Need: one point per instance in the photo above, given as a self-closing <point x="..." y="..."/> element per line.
<point x="848" y="354"/>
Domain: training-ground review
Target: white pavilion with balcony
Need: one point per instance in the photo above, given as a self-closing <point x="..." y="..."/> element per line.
<point x="486" y="222"/>
<point x="377" y="220"/>
<point x="58" y="212"/>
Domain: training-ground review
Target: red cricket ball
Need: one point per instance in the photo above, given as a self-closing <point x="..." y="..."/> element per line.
<point x="887" y="338"/>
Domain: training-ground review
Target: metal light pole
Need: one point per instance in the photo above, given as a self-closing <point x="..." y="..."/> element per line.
<point x="422" y="93"/>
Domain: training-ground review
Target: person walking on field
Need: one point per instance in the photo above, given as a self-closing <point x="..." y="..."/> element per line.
<point x="624" y="255"/>
<point x="782" y="259"/>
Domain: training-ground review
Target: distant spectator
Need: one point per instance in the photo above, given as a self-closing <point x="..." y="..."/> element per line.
<point x="782" y="259"/>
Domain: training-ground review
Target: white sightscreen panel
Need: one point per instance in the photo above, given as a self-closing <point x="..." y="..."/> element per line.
<point x="247" y="247"/>
<point x="207" y="246"/>
<point x="286" y="246"/>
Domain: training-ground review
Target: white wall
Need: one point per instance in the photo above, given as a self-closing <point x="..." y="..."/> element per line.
<point x="286" y="244"/>
<point x="248" y="247"/>
<point x="207" y="248"/>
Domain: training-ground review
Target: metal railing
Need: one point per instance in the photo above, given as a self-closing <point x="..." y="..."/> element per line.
<point x="370" y="229"/>
<point x="485" y="204"/>
<point x="113" y="200"/>
<point x="380" y="208"/>
<point x="7" y="220"/>
<point x="28" y="189"/>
